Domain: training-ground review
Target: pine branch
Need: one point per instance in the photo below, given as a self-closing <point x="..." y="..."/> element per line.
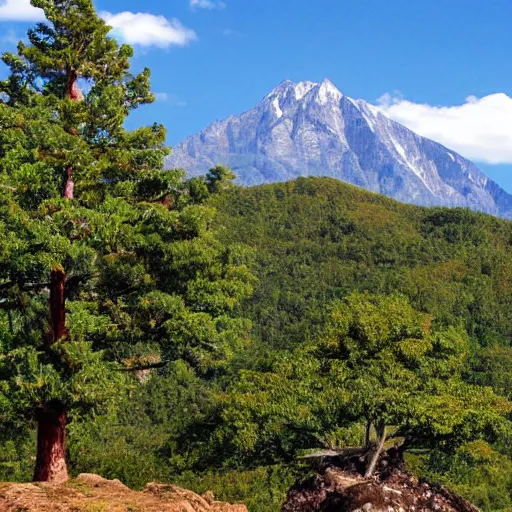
<point x="24" y="286"/>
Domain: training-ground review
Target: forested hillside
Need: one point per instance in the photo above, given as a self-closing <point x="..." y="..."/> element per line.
<point x="316" y="240"/>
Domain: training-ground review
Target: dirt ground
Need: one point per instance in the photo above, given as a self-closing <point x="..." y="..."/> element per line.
<point x="92" y="493"/>
<point x="339" y="491"/>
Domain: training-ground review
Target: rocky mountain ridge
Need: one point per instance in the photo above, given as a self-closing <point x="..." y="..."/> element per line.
<point x="312" y="129"/>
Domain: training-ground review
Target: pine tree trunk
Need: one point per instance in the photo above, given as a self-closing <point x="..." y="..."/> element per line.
<point x="57" y="306"/>
<point x="69" y="187"/>
<point x="51" y="444"/>
<point x="74" y="93"/>
<point x="51" y="417"/>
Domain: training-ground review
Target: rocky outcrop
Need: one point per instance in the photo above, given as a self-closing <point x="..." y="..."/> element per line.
<point x="92" y="492"/>
<point x="342" y="489"/>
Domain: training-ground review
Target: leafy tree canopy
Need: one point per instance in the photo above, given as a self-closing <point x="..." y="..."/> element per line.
<point x="378" y="364"/>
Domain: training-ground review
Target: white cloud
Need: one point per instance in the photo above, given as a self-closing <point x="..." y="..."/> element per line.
<point x="146" y="29"/>
<point x="480" y="129"/>
<point x="207" y="4"/>
<point x="161" y="96"/>
<point x="19" y="10"/>
<point x="231" y="33"/>
<point x="140" y="28"/>
<point x="171" y="99"/>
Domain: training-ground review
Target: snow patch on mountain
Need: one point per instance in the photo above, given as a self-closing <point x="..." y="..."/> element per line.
<point x="328" y="92"/>
<point x="277" y="108"/>
<point x="302" y="88"/>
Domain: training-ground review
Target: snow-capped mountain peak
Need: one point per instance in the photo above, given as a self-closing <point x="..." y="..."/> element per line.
<point x="302" y="88"/>
<point x="328" y="92"/>
<point x="310" y="128"/>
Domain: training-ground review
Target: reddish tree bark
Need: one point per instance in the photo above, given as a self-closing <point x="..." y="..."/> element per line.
<point x="51" y="417"/>
<point x="51" y="444"/>
<point x="74" y="93"/>
<point x="57" y="305"/>
<point x="70" y="185"/>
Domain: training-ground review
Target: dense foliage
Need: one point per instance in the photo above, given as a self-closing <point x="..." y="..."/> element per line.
<point x="378" y="364"/>
<point x="123" y="252"/>
<point x="317" y="240"/>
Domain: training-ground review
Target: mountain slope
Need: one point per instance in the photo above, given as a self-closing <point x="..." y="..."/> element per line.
<point x="311" y="129"/>
<point x="318" y="239"/>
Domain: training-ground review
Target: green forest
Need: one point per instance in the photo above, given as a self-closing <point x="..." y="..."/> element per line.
<point x="188" y="330"/>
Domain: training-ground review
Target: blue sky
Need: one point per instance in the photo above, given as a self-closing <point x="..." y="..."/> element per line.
<point x="444" y="68"/>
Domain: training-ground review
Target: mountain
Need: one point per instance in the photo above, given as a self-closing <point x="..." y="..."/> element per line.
<point x="312" y="129"/>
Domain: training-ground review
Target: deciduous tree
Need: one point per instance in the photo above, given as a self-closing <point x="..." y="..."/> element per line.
<point x="376" y="373"/>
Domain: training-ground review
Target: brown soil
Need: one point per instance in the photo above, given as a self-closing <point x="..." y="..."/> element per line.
<point x="91" y="493"/>
<point x="341" y="488"/>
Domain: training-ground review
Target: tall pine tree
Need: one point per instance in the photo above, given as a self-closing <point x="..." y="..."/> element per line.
<point x="107" y="262"/>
